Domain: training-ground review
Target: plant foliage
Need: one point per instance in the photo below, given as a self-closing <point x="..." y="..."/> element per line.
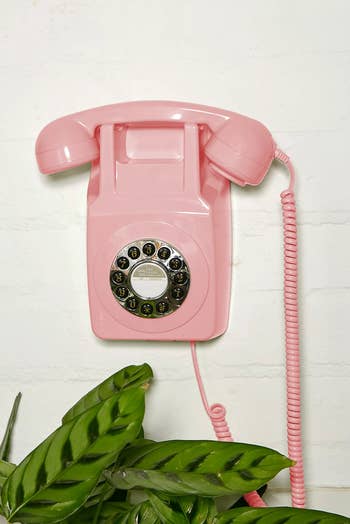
<point x="278" y="516"/>
<point x="58" y="476"/>
<point x="98" y="468"/>
<point x="5" y="445"/>
<point x="206" y="468"/>
<point x="126" y="378"/>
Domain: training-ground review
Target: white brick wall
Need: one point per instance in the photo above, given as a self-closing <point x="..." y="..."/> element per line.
<point x="285" y="63"/>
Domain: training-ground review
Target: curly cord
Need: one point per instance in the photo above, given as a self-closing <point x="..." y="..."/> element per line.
<point x="217" y="415"/>
<point x="294" y="424"/>
<point x="217" y="412"/>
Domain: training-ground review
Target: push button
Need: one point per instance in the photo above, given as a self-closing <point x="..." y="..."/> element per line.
<point x="118" y="277"/>
<point x="162" y="307"/>
<point x="149" y="249"/>
<point x="132" y="303"/>
<point x="175" y="263"/>
<point x="147" y="309"/>
<point x="134" y="252"/>
<point x="122" y="292"/>
<point x="178" y="293"/>
<point x="123" y="263"/>
<point x="164" y="253"/>
<point x="180" y="278"/>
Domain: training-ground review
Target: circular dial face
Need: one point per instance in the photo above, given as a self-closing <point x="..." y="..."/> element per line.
<point x="149" y="278"/>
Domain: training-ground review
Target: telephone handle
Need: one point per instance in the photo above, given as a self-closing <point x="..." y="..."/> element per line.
<point x="239" y="148"/>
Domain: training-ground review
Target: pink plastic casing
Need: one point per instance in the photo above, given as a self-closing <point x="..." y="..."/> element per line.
<point x="155" y="173"/>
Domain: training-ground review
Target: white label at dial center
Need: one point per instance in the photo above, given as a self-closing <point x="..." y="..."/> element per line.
<point x="149" y="280"/>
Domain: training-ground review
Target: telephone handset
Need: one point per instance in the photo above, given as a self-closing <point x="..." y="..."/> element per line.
<point x="159" y="220"/>
<point x="159" y="227"/>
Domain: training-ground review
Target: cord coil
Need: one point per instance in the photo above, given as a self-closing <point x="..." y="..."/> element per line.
<point x="217" y="412"/>
<point x="294" y="423"/>
<point x="217" y="415"/>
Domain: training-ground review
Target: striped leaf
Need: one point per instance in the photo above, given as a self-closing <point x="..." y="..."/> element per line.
<point x="141" y="514"/>
<point x="206" y="468"/>
<point x="196" y="510"/>
<point x="57" y="477"/>
<point x="279" y="516"/>
<point x="110" y="512"/>
<point x="156" y="512"/>
<point x="129" y="377"/>
<point x="161" y="509"/>
<point x="165" y="513"/>
<point x="199" y="510"/>
<point x="6" y="468"/>
<point x="102" y="491"/>
<point x="171" y="510"/>
<point x="5" y="446"/>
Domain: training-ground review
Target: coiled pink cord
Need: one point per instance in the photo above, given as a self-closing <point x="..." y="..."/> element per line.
<point x="291" y="313"/>
<point x="217" y="412"/>
<point x="217" y="415"/>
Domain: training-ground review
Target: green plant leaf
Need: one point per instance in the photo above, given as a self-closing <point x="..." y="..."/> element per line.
<point x="140" y="514"/>
<point x="6" y="468"/>
<point x="103" y="490"/>
<point x="129" y="377"/>
<point x="165" y="513"/>
<point x="110" y="512"/>
<point x="206" y="468"/>
<point x="162" y="508"/>
<point x="57" y="477"/>
<point x="279" y="515"/>
<point x="196" y="510"/>
<point x="5" y="446"/>
<point x="199" y="510"/>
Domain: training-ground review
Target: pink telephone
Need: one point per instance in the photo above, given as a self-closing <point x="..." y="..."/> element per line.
<point x="159" y="216"/>
<point x="159" y="227"/>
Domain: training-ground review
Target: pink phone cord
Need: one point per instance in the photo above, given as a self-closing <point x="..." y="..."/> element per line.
<point x="217" y="412"/>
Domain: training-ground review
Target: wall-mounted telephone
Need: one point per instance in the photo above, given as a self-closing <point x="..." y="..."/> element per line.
<point x="159" y="216"/>
<point x="159" y="225"/>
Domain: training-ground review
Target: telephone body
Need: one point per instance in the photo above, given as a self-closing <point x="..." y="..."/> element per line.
<point x="159" y="211"/>
<point x="159" y="229"/>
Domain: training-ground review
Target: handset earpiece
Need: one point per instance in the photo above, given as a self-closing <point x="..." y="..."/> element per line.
<point x="242" y="150"/>
<point x="64" y="144"/>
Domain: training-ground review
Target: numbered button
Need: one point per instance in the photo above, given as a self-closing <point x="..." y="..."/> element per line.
<point x="147" y="309"/>
<point x="132" y="303"/>
<point x="178" y="293"/>
<point x="164" y="253"/>
<point x="180" y="278"/>
<point x="175" y="263"/>
<point x="162" y="307"/>
<point x="122" y="292"/>
<point x="149" y="249"/>
<point x="118" y="277"/>
<point x="134" y="252"/>
<point x="123" y="263"/>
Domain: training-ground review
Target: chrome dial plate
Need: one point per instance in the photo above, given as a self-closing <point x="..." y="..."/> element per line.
<point x="149" y="278"/>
